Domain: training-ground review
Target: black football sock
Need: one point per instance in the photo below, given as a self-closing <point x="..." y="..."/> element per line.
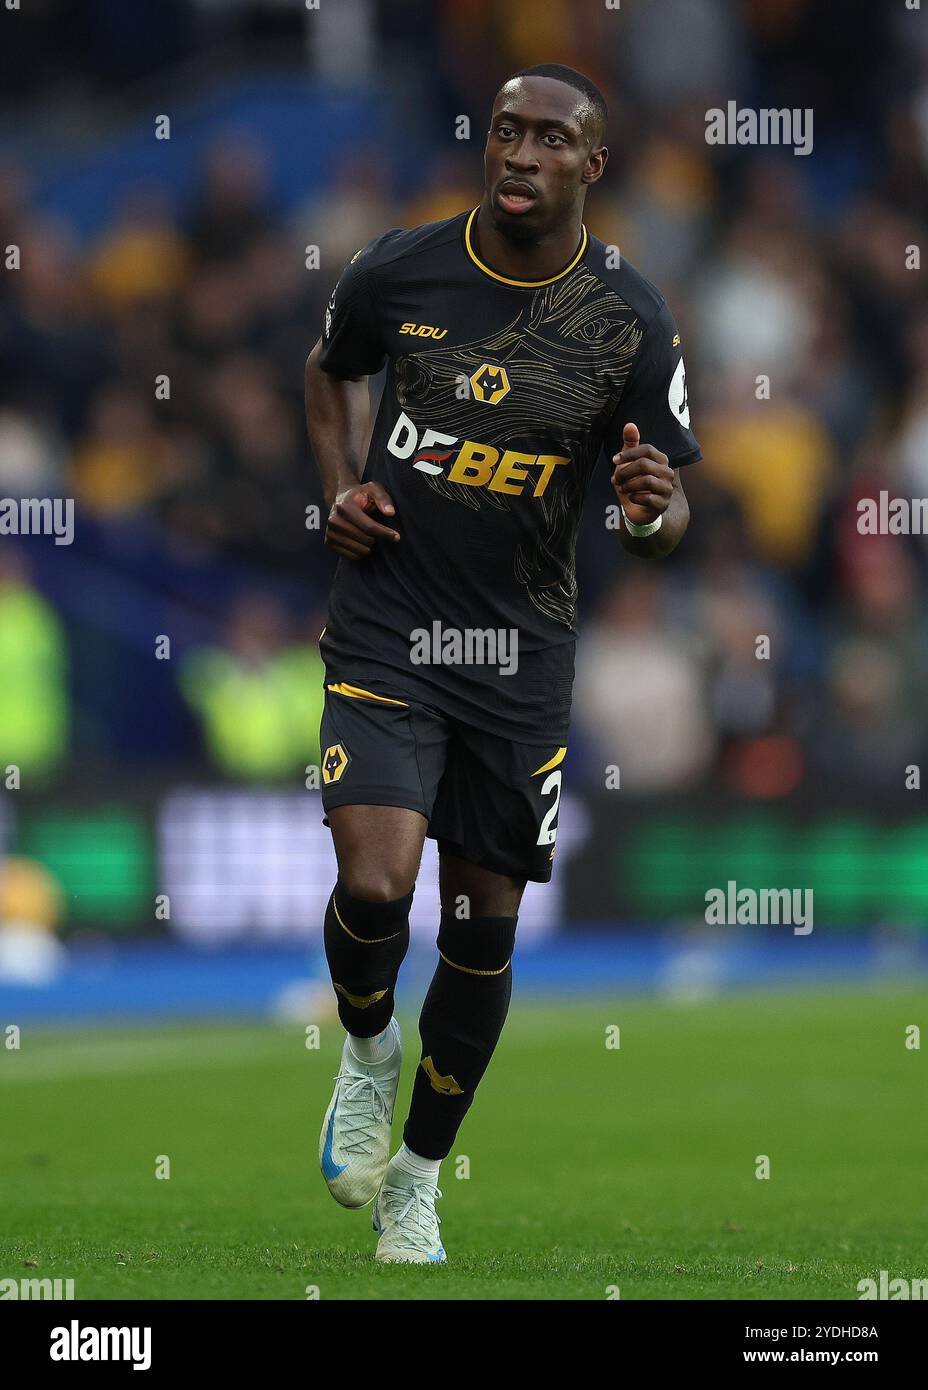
<point x="365" y="943"/>
<point x="460" y="1024"/>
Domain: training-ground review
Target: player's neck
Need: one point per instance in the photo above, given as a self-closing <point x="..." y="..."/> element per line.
<point x="537" y="260"/>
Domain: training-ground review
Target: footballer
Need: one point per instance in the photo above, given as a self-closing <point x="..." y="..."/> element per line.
<point x="520" y="351"/>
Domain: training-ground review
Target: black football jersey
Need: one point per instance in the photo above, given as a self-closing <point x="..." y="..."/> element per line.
<point x="500" y="396"/>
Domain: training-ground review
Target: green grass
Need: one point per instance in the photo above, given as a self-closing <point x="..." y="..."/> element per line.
<point x="589" y="1168"/>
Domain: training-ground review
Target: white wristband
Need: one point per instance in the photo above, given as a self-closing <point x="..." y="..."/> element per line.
<point x="648" y="530"/>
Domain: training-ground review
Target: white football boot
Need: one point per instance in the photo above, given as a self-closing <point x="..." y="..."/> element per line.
<point x="354" y="1146"/>
<point x="407" y="1222"/>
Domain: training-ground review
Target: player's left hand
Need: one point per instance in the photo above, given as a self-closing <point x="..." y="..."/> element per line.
<point x="642" y="478"/>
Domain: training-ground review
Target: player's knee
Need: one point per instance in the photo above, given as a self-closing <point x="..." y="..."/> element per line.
<point x="375" y="883"/>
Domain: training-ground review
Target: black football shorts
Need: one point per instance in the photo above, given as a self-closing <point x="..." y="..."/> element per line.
<point x="487" y="799"/>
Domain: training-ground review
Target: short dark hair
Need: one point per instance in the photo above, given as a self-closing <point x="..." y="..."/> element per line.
<point x="561" y="73"/>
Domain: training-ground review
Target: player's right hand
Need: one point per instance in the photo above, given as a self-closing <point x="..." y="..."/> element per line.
<point x="350" y="531"/>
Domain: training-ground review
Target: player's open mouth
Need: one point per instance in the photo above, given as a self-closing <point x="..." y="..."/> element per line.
<point x="516" y="197"/>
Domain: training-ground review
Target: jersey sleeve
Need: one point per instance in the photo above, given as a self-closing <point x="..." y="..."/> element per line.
<point x="655" y="396"/>
<point x="352" y="344"/>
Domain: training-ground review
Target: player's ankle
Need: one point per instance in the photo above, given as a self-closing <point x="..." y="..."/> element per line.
<point x="414" y="1166"/>
<point x="379" y="1048"/>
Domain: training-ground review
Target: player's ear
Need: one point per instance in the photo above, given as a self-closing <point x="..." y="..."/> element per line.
<point x="595" y="164"/>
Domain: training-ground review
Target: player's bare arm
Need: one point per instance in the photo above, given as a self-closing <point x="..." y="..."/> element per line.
<point x="337" y="418"/>
<point x="647" y="488"/>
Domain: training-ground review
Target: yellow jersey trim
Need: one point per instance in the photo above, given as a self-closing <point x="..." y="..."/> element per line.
<point x="355" y="692"/>
<point x="519" y="284"/>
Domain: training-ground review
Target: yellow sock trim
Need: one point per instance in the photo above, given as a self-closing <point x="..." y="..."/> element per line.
<point x="364" y="940"/>
<point x="360" y="1001"/>
<point x="467" y="969"/>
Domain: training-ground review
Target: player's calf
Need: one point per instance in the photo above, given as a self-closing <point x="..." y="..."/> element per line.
<point x="462" y="1018"/>
<point x="460" y="1025"/>
<point x="365" y="945"/>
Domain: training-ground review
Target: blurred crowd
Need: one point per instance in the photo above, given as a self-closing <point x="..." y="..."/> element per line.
<point x="154" y="373"/>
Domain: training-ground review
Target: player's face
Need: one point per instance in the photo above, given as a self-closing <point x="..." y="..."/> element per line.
<point x="538" y="158"/>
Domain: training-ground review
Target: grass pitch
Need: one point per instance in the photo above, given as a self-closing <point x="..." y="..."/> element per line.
<point x="590" y="1169"/>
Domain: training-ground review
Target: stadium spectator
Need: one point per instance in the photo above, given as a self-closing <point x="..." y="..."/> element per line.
<point x="636" y="668"/>
<point x="259" y="696"/>
<point x="34" y="704"/>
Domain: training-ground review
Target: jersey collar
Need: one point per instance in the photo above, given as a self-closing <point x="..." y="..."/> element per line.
<point x="519" y="284"/>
